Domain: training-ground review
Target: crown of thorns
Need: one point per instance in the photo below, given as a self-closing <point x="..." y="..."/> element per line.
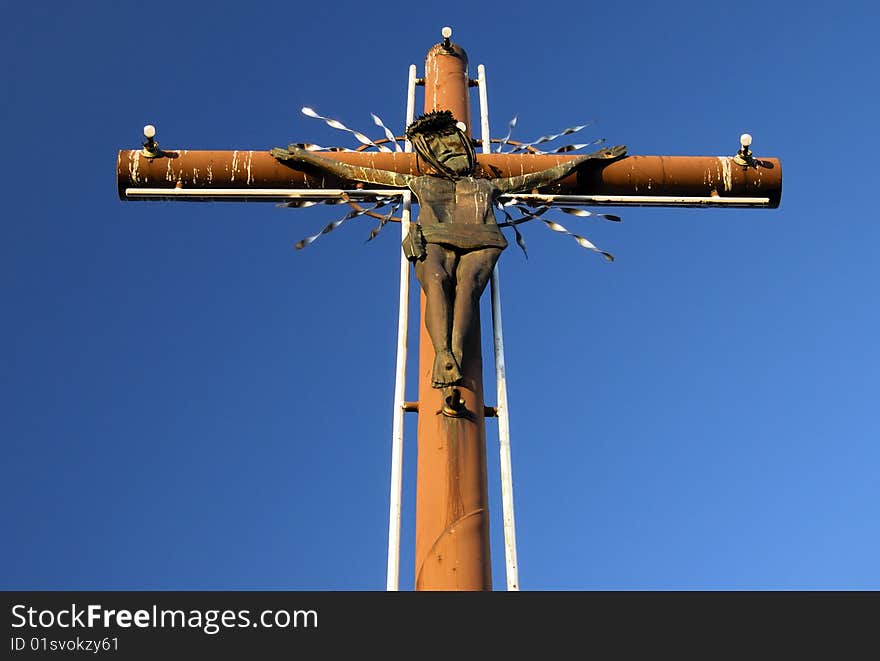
<point x="432" y="122"/>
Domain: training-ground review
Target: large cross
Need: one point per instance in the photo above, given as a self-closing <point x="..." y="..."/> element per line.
<point x="452" y="517"/>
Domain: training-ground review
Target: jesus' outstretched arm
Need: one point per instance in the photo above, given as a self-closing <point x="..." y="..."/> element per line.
<point x="527" y="182"/>
<point x="295" y="155"/>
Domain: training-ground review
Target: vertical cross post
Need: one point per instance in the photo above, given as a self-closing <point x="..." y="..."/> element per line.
<point x="452" y="512"/>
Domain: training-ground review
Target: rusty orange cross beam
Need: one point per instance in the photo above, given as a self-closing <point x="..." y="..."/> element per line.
<point x="452" y="516"/>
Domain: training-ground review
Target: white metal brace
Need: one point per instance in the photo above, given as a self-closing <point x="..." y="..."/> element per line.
<point x="500" y="380"/>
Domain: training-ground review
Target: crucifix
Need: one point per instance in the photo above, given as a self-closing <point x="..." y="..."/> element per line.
<point x="453" y="246"/>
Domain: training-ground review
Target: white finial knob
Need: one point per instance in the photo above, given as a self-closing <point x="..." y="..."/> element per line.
<point x="446" y="32"/>
<point x="149" y="131"/>
<point x="745" y="139"/>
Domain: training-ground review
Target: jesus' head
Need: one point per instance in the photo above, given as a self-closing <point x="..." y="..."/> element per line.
<point x="440" y="140"/>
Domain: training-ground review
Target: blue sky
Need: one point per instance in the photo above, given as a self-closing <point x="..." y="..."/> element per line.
<point x="190" y="403"/>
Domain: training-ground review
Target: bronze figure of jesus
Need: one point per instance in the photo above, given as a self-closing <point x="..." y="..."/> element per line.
<point x="455" y="241"/>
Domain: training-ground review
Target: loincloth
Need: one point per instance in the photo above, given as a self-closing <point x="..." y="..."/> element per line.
<point x="464" y="235"/>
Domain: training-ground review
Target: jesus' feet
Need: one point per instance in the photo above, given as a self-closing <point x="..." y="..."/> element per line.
<point x="446" y="370"/>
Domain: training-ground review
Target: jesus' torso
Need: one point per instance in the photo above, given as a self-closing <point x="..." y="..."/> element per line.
<point x="466" y="200"/>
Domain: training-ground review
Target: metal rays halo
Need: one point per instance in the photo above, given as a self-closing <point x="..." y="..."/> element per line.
<point x="526" y="213"/>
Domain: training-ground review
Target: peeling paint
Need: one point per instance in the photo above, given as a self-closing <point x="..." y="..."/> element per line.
<point x="133" y="168"/>
<point x="727" y="172"/>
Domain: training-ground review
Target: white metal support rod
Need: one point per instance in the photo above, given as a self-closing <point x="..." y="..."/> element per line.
<point x="393" y="575"/>
<point x="333" y="194"/>
<point x="642" y="200"/>
<point x="500" y="380"/>
<point x="258" y="194"/>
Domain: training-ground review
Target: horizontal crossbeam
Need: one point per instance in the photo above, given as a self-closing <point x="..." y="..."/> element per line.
<point x="634" y="180"/>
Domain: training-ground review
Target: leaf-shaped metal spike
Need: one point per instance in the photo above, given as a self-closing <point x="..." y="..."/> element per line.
<point x="388" y="134"/>
<point x="552" y="137"/>
<point x="310" y="146"/>
<point x="336" y="223"/>
<point x="583" y="242"/>
<point x="375" y="231"/>
<point x="534" y="212"/>
<point x="364" y="140"/>
<point x="510" y="126"/>
<point x="526" y="216"/>
<point x="567" y="148"/>
<point x="520" y="241"/>
<point x="298" y="204"/>
<point x="583" y="213"/>
<point x="522" y="205"/>
<point x="502" y="209"/>
<point x="313" y="147"/>
<point x="336" y="124"/>
<point x="309" y="239"/>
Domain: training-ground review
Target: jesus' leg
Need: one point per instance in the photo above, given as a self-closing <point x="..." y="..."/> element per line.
<point x="474" y="271"/>
<point x="436" y="275"/>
